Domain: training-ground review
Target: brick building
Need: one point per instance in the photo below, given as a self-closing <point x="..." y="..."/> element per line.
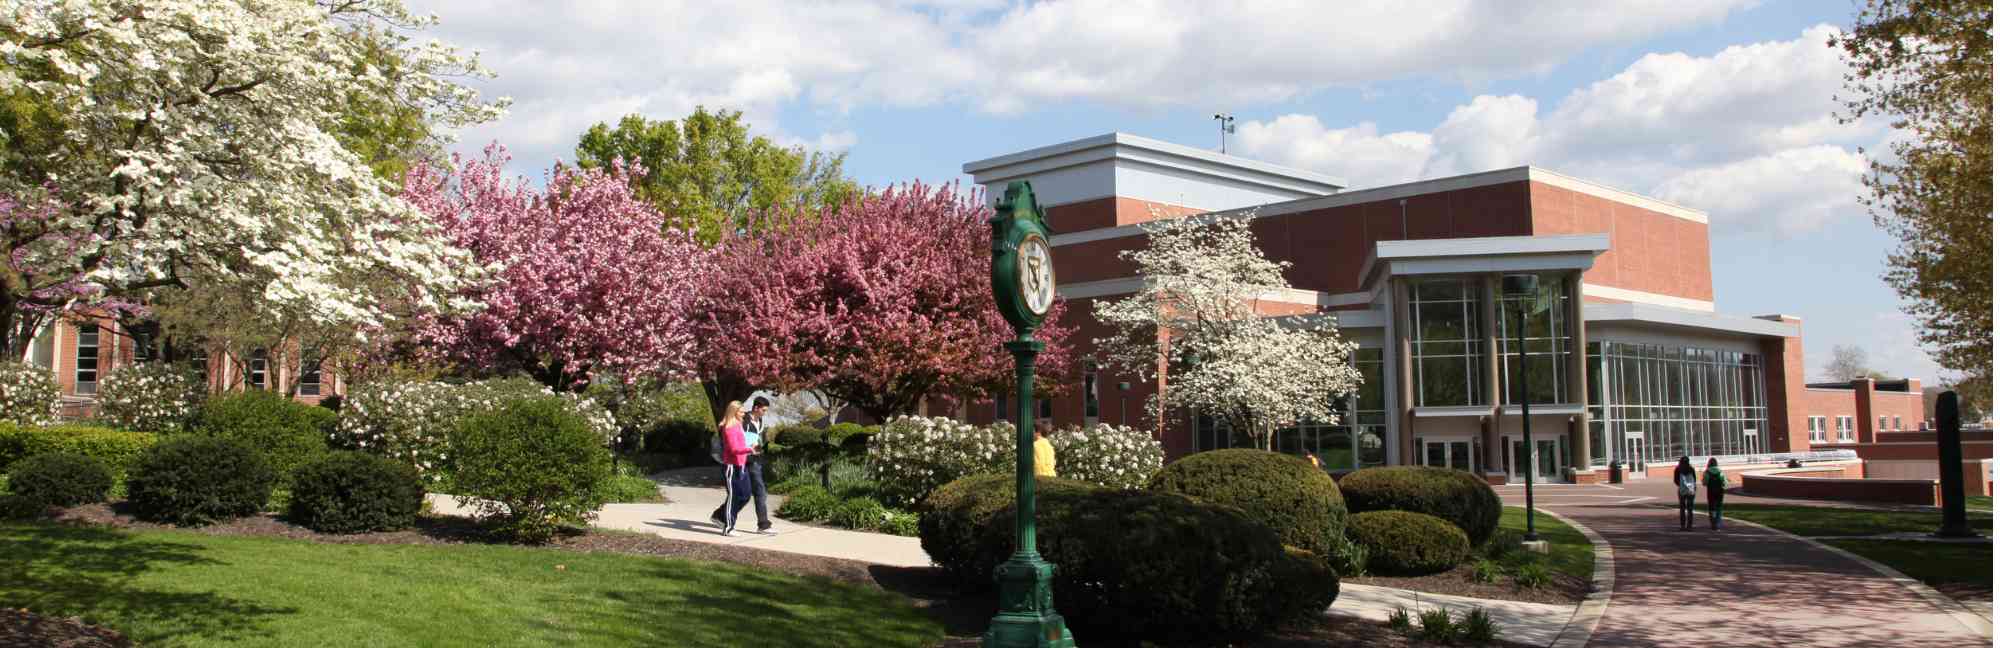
<point x="1633" y="364"/>
<point x="81" y="351"/>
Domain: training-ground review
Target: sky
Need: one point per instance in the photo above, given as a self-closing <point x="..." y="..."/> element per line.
<point x="1727" y="106"/>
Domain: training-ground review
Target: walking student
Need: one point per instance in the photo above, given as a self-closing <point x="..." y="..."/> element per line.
<point x="734" y="454"/>
<point x="1713" y="479"/>
<point x="753" y="467"/>
<point x="1684" y="484"/>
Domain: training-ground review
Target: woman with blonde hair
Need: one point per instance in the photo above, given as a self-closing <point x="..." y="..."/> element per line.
<point x="735" y="453"/>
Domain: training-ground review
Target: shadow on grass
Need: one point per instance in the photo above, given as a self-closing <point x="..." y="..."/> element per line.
<point x="92" y="572"/>
<point x="699" y="604"/>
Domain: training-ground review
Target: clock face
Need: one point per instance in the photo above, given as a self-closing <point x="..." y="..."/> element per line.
<point x="1038" y="276"/>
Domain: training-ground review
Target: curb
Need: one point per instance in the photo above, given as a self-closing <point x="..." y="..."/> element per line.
<point x="1603" y="576"/>
<point x="1951" y="607"/>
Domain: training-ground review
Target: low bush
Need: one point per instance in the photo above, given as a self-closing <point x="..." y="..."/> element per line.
<point x="1459" y="497"/>
<point x="859" y="513"/>
<point x="1485" y="571"/>
<point x="118" y="449"/>
<point x="913" y="456"/>
<point x="1112" y="456"/>
<point x="680" y="438"/>
<point x="1478" y="627"/>
<point x="627" y="488"/>
<point x="414" y="421"/>
<point x="28" y="394"/>
<point x="196" y="480"/>
<point x="21" y="507"/>
<point x="152" y="397"/>
<point x="901" y="523"/>
<point x="60" y="479"/>
<point x="1401" y="543"/>
<point x="352" y="492"/>
<point x="1281" y="491"/>
<point x="1132" y="564"/>
<point x="286" y="432"/>
<point x="1532" y="575"/>
<point x="809" y="503"/>
<point x="1399" y="620"/>
<point x="532" y="467"/>
<point x="1348" y="557"/>
<point x="1437" y="625"/>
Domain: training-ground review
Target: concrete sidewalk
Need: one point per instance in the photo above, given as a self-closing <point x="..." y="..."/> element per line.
<point x="1529" y="623"/>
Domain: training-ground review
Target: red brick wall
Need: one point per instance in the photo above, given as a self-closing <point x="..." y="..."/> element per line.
<point x="1650" y="251"/>
<point x="1785" y="393"/>
<point x="1822" y="485"/>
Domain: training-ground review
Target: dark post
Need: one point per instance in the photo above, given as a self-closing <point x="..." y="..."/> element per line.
<point x="1525" y="286"/>
<point x="1951" y="468"/>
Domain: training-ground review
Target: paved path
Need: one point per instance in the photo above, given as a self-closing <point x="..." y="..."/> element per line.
<point x="1529" y="623"/>
<point x="1742" y="586"/>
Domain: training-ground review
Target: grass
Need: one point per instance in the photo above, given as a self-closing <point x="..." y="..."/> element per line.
<point x="1960" y="570"/>
<point x="1569" y="551"/>
<point x="1827" y="521"/>
<point x="173" y="588"/>
<point x="1979" y="503"/>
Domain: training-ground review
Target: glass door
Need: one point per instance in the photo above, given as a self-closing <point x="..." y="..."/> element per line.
<point x="1635" y="453"/>
<point x="1448" y="454"/>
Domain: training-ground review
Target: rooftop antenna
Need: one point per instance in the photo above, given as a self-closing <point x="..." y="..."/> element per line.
<point x="1228" y="126"/>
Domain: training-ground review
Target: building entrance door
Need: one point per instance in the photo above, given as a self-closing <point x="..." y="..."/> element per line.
<point x="1547" y="459"/>
<point x="1635" y="454"/>
<point x="1448" y="454"/>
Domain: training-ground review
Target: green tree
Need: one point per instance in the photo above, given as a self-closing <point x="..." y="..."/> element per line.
<point x="1928" y="66"/>
<point x="710" y="177"/>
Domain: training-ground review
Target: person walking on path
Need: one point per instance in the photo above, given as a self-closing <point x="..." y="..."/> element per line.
<point x="1713" y="479"/>
<point x="735" y="453"/>
<point x="1045" y="455"/>
<point x="1684" y="483"/>
<point x="753" y="467"/>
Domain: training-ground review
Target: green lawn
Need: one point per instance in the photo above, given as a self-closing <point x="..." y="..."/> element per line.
<point x="1979" y="503"/>
<point x="1960" y="570"/>
<point x="1569" y="550"/>
<point x="186" y="589"/>
<point x="1828" y="521"/>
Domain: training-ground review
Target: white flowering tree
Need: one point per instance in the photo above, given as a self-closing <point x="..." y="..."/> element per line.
<point x="1195" y="322"/>
<point x="183" y="141"/>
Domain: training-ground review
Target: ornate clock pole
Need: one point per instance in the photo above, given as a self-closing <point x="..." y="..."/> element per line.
<point x="1024" y="287"/>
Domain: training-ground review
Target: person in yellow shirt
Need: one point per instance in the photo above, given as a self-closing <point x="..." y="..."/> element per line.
<point x="1045" y="455"/>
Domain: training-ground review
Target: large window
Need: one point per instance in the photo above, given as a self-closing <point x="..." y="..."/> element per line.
<point x="1090" y="394"/>
<point x="1661" y="402"/>
<point x="1448" y="338"/>
<point x="309" y="379"/>
<point x="1846" y="426"/>
<point x="1816" y="429"/>
<point x="86" y="359"/>
<point x="1360" y="438"/>
<point x="1547" y="343"/>
<point x="260" y="370"/>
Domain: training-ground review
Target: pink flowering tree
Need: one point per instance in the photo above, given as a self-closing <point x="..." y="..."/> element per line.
<point x="881" y="302"/>
<point x="43" y="274"/>
<point x="586" y="280"/>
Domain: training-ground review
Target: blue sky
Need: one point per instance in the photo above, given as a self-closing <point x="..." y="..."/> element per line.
<point x="1723" y="105"/>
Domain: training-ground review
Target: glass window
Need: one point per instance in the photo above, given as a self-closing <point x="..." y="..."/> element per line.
<point x="1547" y="343"/>
<point x="1701" y="402"/>
<point x="1000" y="409"/>
<point x="260" y="365"/>
<point x="1449" y="345"/>
<point x="42" y="352"/>
<point x="86" y="359"/>
<point x="1881" y="423"/>
<point x="1899" y="423"/>
<point x="1090" y="394"/>
<point x="1046" y="407"/>
<point x="309" y="384"/>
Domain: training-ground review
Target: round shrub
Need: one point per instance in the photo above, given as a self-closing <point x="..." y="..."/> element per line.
<point x="953" y="522"/>
<point x="18" y="507"/>
<point x="351" y="492"/>
<point x="912" y="456"/>
<point x="195" y="480"/>
<point x="1112" y="456"/>
<point x="1403" y="543"/>
<point x="286" y="432"/>
<point x="808" y="504"/>
<point x="1281" y="491"/>
<point x="1459" y="497"/>
<point x="859" y="513"/>
<point x="118" y="449"/>
<point x="532" y="466"/>
<point x="28" y="394"/>
<point x="60" y="479"/>
<point x="151" y="397"/>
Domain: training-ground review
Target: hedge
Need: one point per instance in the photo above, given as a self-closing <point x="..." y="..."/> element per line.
<point x="286" y="432"/>
<point x="1457" y="496"/>
<point x="118" y="449"/>
<point x="353" y="492"/>
<point x="1281" y="491"/>
<point x="193" y="480"/>
<point x="1403" y="543"/>
<point x="60" y="479"/>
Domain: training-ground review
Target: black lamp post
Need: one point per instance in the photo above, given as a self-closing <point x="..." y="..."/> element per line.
<point x="1526" y="288"/>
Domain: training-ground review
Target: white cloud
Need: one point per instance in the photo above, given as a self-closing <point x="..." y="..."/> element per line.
<point x="1746" y="134"/>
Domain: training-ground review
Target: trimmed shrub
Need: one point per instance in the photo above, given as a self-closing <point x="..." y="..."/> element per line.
<point x="195" y="480"/>
<point x="17" y="507"/>
<point x="808" y="503"/>
<point x="28" y="394"/>
<point x="352" y="492"/>
<point x="1401" y="543"/>
<point x="1132" y="564"/>
<point x="286" y="432"/>
<point x="1112" y="456"/>
<point x="681" y="438"/>
<point x="913" y="456"/>
<point x="118" y="449"/>
<point x="532" y="466"/>
<point x="1281" y="491"/>
<point x="859" y="513"/>
<point x="1459" y="497"/>
<point x="60" y="479"/>
<point x="413" y="421"/>
<point x="151" y="397"/>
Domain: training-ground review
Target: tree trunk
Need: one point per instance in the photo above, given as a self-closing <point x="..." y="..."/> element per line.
<point x="720" y="390"/>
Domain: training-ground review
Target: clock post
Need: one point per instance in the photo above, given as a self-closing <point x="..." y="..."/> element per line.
<point x="1023" y="288"/>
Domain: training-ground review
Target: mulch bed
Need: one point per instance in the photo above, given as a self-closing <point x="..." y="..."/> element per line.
<point x="1563" y="589"/>
<point x="21" y="628"/>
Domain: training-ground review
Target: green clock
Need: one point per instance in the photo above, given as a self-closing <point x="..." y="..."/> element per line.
<point x="1024" y="277"/>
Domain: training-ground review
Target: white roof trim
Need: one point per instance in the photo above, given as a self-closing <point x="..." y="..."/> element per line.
<point x="1466" y="410"/>
<point x="1486" y="254"/>
<point x="1621" y="294"/>
<point x="1688" y="319"/>
<point x="1126" y="146"/>
<point x="1614" y="194"/>
<point x="1128" y="285"/>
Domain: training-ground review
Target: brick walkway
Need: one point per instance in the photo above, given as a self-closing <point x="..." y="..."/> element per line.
<point x="1741" y="586"/>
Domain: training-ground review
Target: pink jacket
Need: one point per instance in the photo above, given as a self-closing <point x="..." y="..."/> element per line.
<point x="734" y="451"/>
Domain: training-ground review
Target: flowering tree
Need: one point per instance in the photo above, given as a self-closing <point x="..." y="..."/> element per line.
<point x="589" y="281"/>
<point x="182" y="140"/>
<point x="1196" y="319"/>
<point x="880" y="303"/>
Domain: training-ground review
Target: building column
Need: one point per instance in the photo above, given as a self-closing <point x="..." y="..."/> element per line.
<point x="1405" y="402"/>
<point x="1489" y="306"/>
<point x="1579" y="383"/>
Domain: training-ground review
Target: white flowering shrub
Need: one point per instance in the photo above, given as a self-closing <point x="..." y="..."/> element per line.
<point x="1113" y="456"/>
<point x="912" y="456"/>
<point x="28" y="395"/>
<point x="412" y="421"/>
<point x="151" y="397"/>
